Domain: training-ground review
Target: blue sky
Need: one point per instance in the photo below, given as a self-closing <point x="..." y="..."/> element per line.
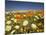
<point x="17" y="5"/>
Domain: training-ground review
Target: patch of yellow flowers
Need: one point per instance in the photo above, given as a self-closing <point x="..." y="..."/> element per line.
<point x="24" y="26"/>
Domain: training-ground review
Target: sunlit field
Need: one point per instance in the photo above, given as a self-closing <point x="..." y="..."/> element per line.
<point x="24" y="21"/>
<point x="23" y="17"/>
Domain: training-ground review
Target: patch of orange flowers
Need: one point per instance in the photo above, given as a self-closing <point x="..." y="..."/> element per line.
<point x="21" y="16"/>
